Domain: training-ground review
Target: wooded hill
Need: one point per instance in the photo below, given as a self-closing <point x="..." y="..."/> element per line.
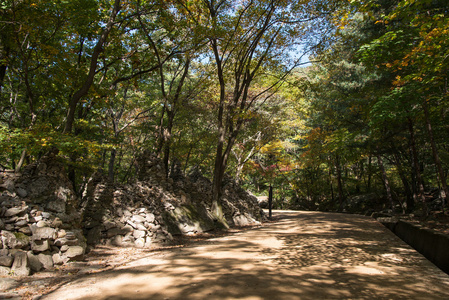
<point x="223" y="86"/>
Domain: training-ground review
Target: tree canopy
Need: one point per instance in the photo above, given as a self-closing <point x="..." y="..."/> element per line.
<point x="323" y="99"/>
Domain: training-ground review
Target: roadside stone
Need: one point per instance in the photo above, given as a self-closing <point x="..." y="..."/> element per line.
<point x="21" y="192"/>
<point x="25" y="230"/>
<point x="46" y="215"/>
<point x="57" y="259"/>
<point x="40" y="233"/>
<point x="36" y="219"/>
<point x="35" y="264"/>
<point x="64" y="241"/>
<point x="139" y="234"/>
<point x="109" y="224"/>
<point x="70" y="235"/>
<point x="21" y="265"/>
<point x="74" y="253"/>
<point x="46" y="260"/>
<point x="13" y="211"/>
<point x="64" y="248"/>
<point x="117" y="240"/>
<point x="61" y="233"/>
<point x="15" y="240"/>
<point x="21" y="223"/>
<point x="138" y="219"/>
<point x="140" y="242"/>
<point x="40" y="245"/>
<point x="42" y="224"/>
<point x="6" y="260"/>
<point x="149" y="217"/>
<point x="56" y="223"/>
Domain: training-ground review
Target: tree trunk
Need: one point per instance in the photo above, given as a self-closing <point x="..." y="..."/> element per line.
<point x="386" y="182"/>
<point x="408" y="193"/>
<point x="341" y="197"/>
<point x="436" y="157"/>
<point x="92" y="69"/>
<point x="368" y="185"/>
<point x="416" y="167"/>
<point x="111" y="165"/>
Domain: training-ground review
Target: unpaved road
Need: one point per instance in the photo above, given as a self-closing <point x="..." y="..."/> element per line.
<point x="304" y="255"/>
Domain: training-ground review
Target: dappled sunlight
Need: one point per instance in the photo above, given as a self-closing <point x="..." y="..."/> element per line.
<point x="301" y="256"/>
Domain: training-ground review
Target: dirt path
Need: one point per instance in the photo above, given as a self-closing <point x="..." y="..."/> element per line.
<point x="303" y="255"/>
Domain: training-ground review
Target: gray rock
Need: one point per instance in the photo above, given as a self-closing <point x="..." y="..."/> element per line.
<point x="57" y="259"/>
<point x="138" y="219"/>
<point x="141" y="227"/>
<point x="75" y="253"/>
<point x="150" y="217"/>
<point x="139" y="234"/>
<point x="36" y="219"/>
<point x="21" y="223"/>
<point x="42" y="224"/>
<point x="70" y="235"/>
<point x="45" y="215"/>
<point x="21" y="192"/>
<point x="56" y="223"/>
<point x="4" y="271"/>
<point x="57" y="206"/>
<point x="109" y="224"/>
<point x="7" y="284"/>
<point x="25" y="230"/>
<point x="2" y="224"/>
<point x="13" y="211"/>
<point x="61" y="233"/>
<point x="35" y="264"/>
<point x="63" y="241"/>
<point x="40" y="245"/>
<point x="64" y="248"/>
<point x="9" y="185"/>
<point x="11" y="220"/>
<point x="40" y="233"/>
<point x="140" y="242"/>
<point x="46" y="260"/>
<point x="15" y="240"/>
<point x="6" y="260"/>
<point x="21" y="265"/>
<point x="117" y="240"/>
<point x="133" y="225"/>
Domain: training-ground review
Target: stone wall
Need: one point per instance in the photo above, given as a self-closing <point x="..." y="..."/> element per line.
<point x="39" y="222"/>
<point x="44" y="224"/>
<point x="151" y="210"/>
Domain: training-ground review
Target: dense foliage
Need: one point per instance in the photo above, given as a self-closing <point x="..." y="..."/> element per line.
<point x="221" y="86"/>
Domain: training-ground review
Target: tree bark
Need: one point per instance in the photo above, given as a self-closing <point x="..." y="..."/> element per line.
<point x="416" y="167"/>
<point x="436" y="157"/>
<point x="92" y="69"/>
<point x="341" y="197"/>
<point x="408" y="193"/>
<point x="386" y="182"/>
